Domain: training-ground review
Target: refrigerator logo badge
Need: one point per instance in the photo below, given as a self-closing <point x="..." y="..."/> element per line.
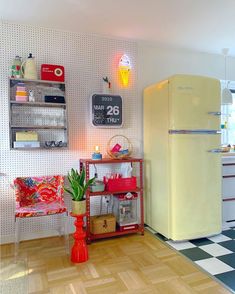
<point x="185" y="88"/>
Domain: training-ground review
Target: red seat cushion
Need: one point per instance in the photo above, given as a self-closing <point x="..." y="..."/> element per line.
<point x="40" y="209"/>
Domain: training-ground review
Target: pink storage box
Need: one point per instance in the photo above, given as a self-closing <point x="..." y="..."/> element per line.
<point x="22" y="98"/>
<point x="19" y="88"/>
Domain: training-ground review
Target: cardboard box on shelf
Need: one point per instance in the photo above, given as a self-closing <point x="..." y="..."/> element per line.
<point x="26" y="136"/>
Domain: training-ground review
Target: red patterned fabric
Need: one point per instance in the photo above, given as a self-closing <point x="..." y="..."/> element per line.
<point x="37" y="196"/>
<point x="40" y="209"/>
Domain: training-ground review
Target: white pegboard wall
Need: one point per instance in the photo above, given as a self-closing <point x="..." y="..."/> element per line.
<point x="86" y="58"/>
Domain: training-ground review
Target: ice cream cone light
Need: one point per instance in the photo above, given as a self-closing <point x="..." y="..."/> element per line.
<point x="124" y="69"/>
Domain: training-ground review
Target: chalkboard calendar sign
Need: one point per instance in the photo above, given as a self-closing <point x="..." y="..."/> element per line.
<point x="106" y="110"/>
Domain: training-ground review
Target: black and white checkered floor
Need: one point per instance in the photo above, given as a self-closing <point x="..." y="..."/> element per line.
<point x="216" y="254"/>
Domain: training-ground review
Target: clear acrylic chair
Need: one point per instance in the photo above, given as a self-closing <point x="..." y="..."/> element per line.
<point x="40" y="196"/>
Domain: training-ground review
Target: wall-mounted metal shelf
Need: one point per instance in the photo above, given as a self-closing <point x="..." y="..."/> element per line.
<point x="22" y="80"/>
<point x="38" y="104"/>
<point x="42" y="147"/>
<point x="39" y="127"/>
<point x="48" y="120"/>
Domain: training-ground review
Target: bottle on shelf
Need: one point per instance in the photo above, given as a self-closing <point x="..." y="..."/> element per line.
<point x="15" y="71"/>
<point x="28" y="68"/>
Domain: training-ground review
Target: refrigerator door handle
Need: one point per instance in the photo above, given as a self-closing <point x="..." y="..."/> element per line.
<point x="216" y="113"/>
<point x="188" y="132"/>
<point x="216" y="150"/>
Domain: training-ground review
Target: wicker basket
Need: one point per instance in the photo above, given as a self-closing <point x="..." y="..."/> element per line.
<point x="124" y="143"/>
<point x="102" y="224"/>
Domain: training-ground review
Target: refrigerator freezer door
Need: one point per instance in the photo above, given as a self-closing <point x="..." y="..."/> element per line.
<point x="194" y="103"/>
<point x="195" y="179"/>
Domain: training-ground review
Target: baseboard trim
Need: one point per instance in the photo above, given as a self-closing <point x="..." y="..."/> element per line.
<point x="6" y="239"/>
<point x="228" y="225"/>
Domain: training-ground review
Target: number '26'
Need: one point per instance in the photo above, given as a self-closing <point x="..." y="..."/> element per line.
<point x="112" y="110"/>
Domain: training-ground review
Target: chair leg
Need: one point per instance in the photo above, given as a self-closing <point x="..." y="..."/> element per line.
<point x="66" y="235"/>
<point x="17" y="235"/>
<point x="61" y="226"/>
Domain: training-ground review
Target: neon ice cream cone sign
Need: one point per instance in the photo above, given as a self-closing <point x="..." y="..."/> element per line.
<point x="124" y="69"/>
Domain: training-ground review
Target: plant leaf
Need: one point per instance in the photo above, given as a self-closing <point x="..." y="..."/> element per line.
<point x="89" y="182"/>
<point x="82" y="178"/>
<point x="78" y="186"/>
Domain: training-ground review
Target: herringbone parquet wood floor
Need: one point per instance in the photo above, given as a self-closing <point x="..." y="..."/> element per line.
<point x="131" y="264"/>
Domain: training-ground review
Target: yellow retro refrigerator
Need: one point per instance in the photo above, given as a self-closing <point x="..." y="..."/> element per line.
<point x="182" y="159"/>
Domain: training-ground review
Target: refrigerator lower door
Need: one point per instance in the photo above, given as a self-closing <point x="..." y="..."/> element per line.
<point x="195" y="186"/>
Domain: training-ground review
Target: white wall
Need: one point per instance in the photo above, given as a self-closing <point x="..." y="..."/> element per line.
<point x="86" y="58"/>
<point x="157" y="63"/>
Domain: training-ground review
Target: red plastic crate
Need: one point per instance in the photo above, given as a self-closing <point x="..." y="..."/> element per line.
<point x="122" y="184"/>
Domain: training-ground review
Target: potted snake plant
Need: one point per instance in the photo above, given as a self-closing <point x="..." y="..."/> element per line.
<point x="77" y="190"/>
